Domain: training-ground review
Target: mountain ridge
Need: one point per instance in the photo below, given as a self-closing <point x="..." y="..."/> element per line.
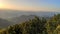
<point x="13" y="13"/>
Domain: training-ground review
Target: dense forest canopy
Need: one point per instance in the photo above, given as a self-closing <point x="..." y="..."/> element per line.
<point x="35" y="26"/>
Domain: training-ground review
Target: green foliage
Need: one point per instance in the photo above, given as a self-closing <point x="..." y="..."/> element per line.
<point x="52" y="24"/>
<point x="36" y="26"/>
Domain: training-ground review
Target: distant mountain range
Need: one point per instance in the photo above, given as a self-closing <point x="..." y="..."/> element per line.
<point x="21" y="18"/>
<point x="4" y="13"/>
<point x="4" y="23"/>
<point x="16" y="20"/>
<point x="9" y="17"/>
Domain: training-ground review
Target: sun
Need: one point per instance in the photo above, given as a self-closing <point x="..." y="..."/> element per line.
<point x="1" y="4"/>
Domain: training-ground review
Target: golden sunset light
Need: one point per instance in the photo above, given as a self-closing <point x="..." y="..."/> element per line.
<point x="2" y="4"/>
<point x="31" y="6"/>
<point x="29" y="16"/>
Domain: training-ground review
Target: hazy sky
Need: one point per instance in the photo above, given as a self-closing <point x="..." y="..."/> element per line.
<point x="31" y="5"/>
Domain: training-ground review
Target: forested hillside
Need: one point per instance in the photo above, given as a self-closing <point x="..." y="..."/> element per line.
<point x="35" y="26"/>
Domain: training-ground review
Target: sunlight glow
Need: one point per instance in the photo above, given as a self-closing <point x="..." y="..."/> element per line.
<point x="1" y="4"/>
<point x="11" y="4"/>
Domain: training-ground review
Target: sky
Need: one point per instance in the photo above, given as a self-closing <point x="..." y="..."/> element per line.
<point x="31" y="5"/>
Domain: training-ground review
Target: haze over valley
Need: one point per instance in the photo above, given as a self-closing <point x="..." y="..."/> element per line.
<point x="9" y="17"/>
<point x="29" y="16"/>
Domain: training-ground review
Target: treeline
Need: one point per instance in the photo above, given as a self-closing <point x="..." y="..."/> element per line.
<point x="36" y="26"/>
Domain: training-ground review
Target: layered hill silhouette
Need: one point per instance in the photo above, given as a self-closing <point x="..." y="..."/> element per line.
<point x="7" y="13"/>
<point x="15" y="20"/>
<point x="4" y="23"/>
<point x="20" y="22"/>
<point x="35" y="26"/>
<point x="22" y="18"/>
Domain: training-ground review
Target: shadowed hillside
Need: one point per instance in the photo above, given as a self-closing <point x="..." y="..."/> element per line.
<point x="35" y="26"/>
